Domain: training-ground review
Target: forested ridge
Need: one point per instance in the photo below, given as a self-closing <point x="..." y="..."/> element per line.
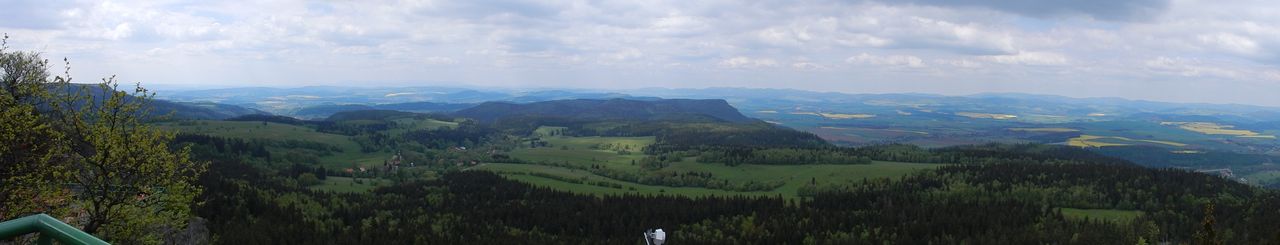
<point x="257" y="191"/>
<point x="961" y="204"/>
<point x="981" y="194"/>
<point x="990" y="194"/>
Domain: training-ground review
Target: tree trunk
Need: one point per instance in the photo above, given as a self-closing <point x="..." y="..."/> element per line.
<point x="92" y="227"/>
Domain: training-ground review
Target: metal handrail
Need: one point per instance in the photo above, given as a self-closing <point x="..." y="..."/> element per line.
<point x="48" y="227"/>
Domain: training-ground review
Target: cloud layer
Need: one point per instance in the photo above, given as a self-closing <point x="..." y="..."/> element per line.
<point x="1173" y="50"/>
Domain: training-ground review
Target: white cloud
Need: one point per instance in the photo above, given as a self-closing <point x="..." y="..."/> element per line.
<point x="627" y="54"/>
<point x="1028" y="58"/>
<point x="863" y="40"/>
<point x="1189" y="68"/>
<point x="891" y="60"/>
<point x="1231" y="43"/>
<point x="960" y="63"/>
<point x="808" y="66"/>
<point x="436" y="60"/>
<point x="679" y="25"/>
<point x="698" y="43"/>
<point x="970" y="38"/>
<point x="746" y="62"/>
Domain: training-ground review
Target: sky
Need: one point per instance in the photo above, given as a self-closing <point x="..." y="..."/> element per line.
<point x="1225" y="51"/>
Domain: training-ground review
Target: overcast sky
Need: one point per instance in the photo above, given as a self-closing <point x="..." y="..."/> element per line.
<point x="1222" y="51"/>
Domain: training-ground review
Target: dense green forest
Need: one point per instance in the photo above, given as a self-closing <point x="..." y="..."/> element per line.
<point x="999" y="203"/>
<point x="982" y="194"/>
<point x="271" y="190"/>
<point x="273" y="179"/>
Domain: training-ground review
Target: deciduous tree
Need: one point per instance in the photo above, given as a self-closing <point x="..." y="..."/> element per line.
<point x="89" y="150"/>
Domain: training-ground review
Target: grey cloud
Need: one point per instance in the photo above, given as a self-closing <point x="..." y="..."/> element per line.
<point x="956" y="45"/>
<point x="356" y="39"/>
<point x="532" y="44"/>
<point x="491" y="9"/>
<point x="1111" y="10"/>
<point x="32" y="14"/>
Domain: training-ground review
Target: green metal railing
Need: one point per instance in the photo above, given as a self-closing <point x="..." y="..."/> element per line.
<point x="49" y="229"/>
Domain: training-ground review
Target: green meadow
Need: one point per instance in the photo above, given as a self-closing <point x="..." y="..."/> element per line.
<point x="793" y="176"/>
<point x="611" y="153"/>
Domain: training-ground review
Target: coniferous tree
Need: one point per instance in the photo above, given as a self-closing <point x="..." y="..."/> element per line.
<point x="1206" y="235"/>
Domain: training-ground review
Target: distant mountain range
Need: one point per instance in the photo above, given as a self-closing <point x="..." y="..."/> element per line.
<point x="201" y="110"/>
<point x="1162" y="134"/>
<point x="174" y="109"/>
<point x="610" y="109"/>
<point x="323" y="111"/>
<point x="1087" y="109"/>
<point x="318" y="101"/>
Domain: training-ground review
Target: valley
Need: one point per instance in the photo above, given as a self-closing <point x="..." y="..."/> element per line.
<point x="1096" y="174"/>
<point x="639" y="122"/>
<point x="859" y="120"/>
<point x="707" y="150"/>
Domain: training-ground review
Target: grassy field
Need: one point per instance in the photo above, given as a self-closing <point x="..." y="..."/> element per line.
<point x="793" y="176"/>
<point x="1090" y="141"/>
<point x="344" y="184"/>
<point x="604" y="152"/>
<point x="586" y="151"/>
<point x="986" y="115"/>
<point x="1112" y="215"/>
<point x="836" y="115"/>
<point x="1217" y="129"/>
<point x="521" y="172"/>
<point x="1104" y="141"/>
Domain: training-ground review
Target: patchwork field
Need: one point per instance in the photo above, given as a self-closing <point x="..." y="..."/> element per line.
<point x="613" y="152"/>
<point x="1217" y="129"/>
<point x="986" y="115"/>
<point x="529" y="173"/>
<point x="836" y="115"/>
<point x="1104" y="141"/>
<point x="622" y="153"/>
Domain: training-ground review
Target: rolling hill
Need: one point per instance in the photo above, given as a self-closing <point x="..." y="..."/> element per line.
<point x="326" y="110"/>
<point x="175" y="109"/>
<point x="612" y="109"/>
<point x="203" y="110"/>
